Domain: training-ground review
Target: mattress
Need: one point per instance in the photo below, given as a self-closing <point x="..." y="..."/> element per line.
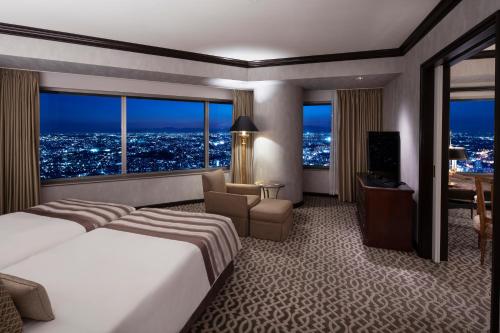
<point x="146" y="272"/>
<point x="23" y="234"/>
<point x="214" y="235"/>
<point x="113" y="281"/>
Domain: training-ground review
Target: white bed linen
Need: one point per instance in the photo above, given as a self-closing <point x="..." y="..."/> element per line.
<point x="23" y="235"/>
<point x="113" y="281"/>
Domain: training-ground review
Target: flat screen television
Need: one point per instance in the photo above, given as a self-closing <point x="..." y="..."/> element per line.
<point x="384" y="155"/>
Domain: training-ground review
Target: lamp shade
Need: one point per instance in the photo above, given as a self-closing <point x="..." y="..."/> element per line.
<point x="243" y="124"/>
<point x="457" y="153"/>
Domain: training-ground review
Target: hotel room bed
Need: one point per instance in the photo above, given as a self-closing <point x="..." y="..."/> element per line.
<point x="146" y="272"/>
<point x="23" y="234"/>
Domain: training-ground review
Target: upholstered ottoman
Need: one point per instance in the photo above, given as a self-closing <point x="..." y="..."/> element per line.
<point x="271" y="219"/>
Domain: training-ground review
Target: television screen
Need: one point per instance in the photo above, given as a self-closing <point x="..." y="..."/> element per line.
<point x="384" y="154"/>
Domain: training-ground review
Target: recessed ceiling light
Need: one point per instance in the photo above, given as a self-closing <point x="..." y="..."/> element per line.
<point x="359" y="78"/>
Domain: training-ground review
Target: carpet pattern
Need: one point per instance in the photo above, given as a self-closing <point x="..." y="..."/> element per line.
<point x="323" y="279"/>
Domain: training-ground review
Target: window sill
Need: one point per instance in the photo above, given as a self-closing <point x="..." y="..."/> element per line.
<point x="307" y="167"/>
<point x="125" y="177"/>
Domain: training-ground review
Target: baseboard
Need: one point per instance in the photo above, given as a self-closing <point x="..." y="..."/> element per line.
<point x="171" y="204"/>
<point x="298" y="204"/>
<point x="316" y="194"/>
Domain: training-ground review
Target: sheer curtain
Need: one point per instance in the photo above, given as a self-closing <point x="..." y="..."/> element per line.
<point x="242" y="106"/>
<point x="19" y="140"/>
<point x="359" y="111"/>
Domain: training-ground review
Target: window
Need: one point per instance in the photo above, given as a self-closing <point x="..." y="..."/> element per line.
<point x="471" y="126"/>
<point x="79" y="135"/>
<point x="317" y="135"/>
<point x="220" y="121"/>
<point x="164" y="135"/>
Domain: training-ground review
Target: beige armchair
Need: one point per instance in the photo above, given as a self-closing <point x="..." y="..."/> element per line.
<point x="228" y="199"/>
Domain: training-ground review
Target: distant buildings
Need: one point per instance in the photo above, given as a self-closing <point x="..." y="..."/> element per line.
<point x="479" y="150"/>
<point x="316" y="148"/>
<point x="93" y="154"/>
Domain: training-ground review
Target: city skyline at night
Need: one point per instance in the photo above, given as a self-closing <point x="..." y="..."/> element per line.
<point x="166" y="135"/>
<point x="316" y="135"/>
<point x="472" y="127"/>
<point x="81" y="135"/>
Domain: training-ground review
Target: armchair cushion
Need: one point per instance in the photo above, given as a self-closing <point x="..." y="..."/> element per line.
<point x="214" y="181"/>
<point x="243" y="189"/>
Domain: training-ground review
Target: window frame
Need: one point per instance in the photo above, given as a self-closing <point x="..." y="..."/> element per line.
<point x="314" y="167"/>
<point x="207" y="132"/>
<point x="124" y="175"/>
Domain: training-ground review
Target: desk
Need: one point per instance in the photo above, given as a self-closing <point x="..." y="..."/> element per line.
<point x="462" y="192"/>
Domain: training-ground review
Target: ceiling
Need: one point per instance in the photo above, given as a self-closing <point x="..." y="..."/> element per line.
<point x="239" y="29"/>
<point x="474" y="72"/>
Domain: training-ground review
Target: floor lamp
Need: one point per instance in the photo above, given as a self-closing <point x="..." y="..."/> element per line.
<point x="243" y="126"/>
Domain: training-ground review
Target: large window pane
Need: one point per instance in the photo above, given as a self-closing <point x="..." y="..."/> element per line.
<point x="471" y="125"/>
<point x="317" y="135"/>
<point x="221" y="116"/>
<point x="79" y="135"/>
<point x="164" y="135"/>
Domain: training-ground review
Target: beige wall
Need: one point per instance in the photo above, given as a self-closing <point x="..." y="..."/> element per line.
<point x="134" y="192"/>
<point x="401" y="96"/>
<point x="130" y="86"/>
<point x="328" y="69"/>
<point x="31" y="53"/>
<point x="316" y="181"/>
<point x="278" y="144"/>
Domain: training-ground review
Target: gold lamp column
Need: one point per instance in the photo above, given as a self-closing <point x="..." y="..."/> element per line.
<point x="243" y="126"/>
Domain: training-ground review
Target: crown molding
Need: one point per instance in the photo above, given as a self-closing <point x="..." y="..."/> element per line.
<point x="65" y="37"/>
<point x="443" y="8"/>
<point x="386" y="53"/>
<point x="431" y="20"/>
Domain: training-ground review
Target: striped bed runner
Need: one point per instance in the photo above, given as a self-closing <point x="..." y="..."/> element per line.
<point x="214" y="235"/>
<point x="88" y="214"/>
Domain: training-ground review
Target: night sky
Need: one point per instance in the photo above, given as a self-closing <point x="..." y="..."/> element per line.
<point x="473" y="116"/>
<point x="74" y="113"/>
<point x="317" y="117"/>
<point x="70" y="113"/>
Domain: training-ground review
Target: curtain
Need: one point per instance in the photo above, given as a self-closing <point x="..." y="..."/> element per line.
<point x="242" y="106"/>
<point x="19" y="140"/>
<point x="359" y="111"/>
<point x="334" y="161"/>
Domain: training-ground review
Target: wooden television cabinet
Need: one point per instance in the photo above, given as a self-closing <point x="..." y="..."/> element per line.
<point x="385" y="214"/>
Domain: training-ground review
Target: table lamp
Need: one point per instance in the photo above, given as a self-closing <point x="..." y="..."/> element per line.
<point x="456" y="154"/>
<point x="243" y="126"/>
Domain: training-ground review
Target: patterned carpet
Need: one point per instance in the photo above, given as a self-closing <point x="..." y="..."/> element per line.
<point x="322" y="279"/>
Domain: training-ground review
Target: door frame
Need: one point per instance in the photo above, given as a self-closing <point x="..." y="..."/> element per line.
<point x="469" y="44"/>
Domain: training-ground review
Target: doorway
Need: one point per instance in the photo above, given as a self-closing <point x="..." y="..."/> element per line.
<point x="432" y="238"/>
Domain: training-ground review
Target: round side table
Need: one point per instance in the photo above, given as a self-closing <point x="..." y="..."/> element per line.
<point x="266" y="187"/>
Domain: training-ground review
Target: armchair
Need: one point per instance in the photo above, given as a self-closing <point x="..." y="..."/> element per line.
<point x="228" y="199"/>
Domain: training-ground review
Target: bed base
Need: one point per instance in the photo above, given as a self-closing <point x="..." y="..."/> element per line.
<point x="209" y="298"/>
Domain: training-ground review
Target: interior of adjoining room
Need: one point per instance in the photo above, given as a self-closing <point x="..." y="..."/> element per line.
<point x="471" y="153"/>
